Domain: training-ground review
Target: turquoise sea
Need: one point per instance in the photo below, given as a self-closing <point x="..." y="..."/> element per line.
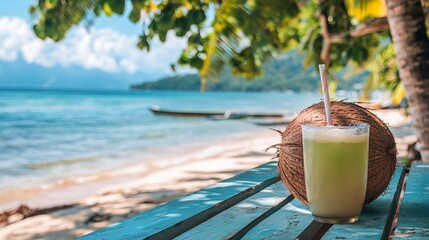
<point x="49" y="135"/>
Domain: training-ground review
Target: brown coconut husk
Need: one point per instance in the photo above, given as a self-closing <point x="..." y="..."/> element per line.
<point x="382" y="147"/>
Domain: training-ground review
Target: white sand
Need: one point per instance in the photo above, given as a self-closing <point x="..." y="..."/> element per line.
<point x="144" y="190"/>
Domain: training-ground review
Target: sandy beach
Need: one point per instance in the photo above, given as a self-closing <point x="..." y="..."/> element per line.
<point x="112" y="196"/>
<point x="72" y="189"/>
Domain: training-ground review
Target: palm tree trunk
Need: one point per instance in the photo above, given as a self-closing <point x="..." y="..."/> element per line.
<point x="407" y="26"/>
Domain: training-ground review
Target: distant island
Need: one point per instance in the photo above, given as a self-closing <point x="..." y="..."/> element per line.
<point x="285" y="72"/>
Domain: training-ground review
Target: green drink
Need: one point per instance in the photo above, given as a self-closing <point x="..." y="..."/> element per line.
<point x="336" y="169"/>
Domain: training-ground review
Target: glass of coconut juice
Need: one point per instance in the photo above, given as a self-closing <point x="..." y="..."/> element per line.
<point x="335" y="169"/>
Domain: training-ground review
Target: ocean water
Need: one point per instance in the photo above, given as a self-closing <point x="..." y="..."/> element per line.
<point x="49" y="135"/>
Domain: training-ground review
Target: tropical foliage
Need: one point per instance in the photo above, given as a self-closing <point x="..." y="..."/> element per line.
<point x="244" y="33"/>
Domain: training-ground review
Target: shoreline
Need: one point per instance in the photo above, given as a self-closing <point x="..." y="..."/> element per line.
<point x="125" y="199"/>
<point x="72" y="189"/>
<point x="114" y="201"/>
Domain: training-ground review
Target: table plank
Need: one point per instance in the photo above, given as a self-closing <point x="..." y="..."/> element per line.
<point x="287" y="223"/>
<point x="178" y="216"/>
<point x="234" y="219"/>
<point x="413" y="219"/>
<point x="374" y="216"/>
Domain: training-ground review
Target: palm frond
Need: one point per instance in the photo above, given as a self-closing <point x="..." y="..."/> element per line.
<point x="384" y="73"/>
<point x="245" y="33"/>
<point x="56" y="18"/>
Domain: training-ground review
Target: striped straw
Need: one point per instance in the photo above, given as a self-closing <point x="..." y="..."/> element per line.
<point x="325" y="94"/>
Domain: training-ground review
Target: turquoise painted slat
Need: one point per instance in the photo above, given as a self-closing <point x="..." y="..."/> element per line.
<point x="287" y="223"/>
<point x="178" y="216"/>
<point x="413" y="219"/>
<point x="232" y="220"/>
<point x="314" y="231"/>
<point x="374" y="215"/>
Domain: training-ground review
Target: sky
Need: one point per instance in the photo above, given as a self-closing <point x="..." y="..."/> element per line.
<point x="109" y="46"/>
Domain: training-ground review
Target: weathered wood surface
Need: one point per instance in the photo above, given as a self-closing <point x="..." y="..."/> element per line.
<point x="295" y="220"/>
<point x="178" y="216"/>
<point x="413" y="222"/>
<point x="230" y="222"/>
<point x="254" y="205"/>
<point x="287" y="223"/>
<point x="375" y="216"/>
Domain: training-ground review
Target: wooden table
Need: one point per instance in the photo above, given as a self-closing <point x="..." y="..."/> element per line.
<point x="255" y="205"/>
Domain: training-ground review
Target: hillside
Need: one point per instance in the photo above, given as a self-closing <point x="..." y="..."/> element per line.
<point x="283" y="73"/>
<point x="20" y="74"/>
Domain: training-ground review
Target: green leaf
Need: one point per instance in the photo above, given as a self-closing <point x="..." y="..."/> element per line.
<point x="39" y="30"/>
<point x="200" y="16"/>
<point x="184" y="59"/>
<point x="162" y="36"/>
<point x="143" y="43"/>
<point x="117" y="6"/>
<point x="165" y="23"/>
<point x="97" y="11"/>
<point x="178" y="1"/>
<point x="107" y="9"/>
<point x="196" y="62"/>
<point x="49" y="4"/>
<point x="181" y="26"/>
<point x="134" y="15"/>
<point x="50" y="29"/>
<point x="32" y="9"/>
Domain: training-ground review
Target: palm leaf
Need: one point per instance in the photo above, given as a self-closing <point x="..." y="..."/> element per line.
<point x="56" y="18"/>
<point x="244" y="34"/>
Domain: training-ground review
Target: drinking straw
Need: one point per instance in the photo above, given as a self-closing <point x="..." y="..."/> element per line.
<point x="325" y="94"/>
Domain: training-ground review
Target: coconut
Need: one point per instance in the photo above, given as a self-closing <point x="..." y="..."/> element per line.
<point x="382" y="147"/>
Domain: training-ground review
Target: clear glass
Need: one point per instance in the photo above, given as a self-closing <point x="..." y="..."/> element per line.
<point x="336" y="170"/>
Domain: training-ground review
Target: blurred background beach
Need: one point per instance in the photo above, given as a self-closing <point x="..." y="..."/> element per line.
<point x="59" y="138"/>
<point x="80" y="148"/>
<point x="81" y="160"/>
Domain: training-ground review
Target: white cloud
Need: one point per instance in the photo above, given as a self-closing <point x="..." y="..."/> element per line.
<point x="104" y="49"/>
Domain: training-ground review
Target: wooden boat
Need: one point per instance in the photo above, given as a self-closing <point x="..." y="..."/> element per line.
<point x="229" y="114"/>
<point x="159" y="111"/>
